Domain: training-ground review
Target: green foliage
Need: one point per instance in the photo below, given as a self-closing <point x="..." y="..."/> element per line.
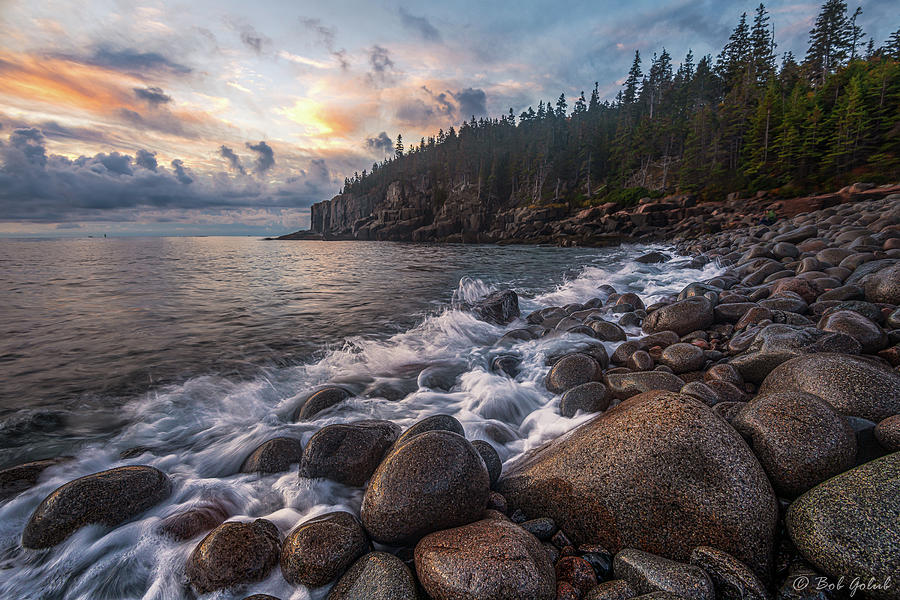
<point x="712" y="126"/>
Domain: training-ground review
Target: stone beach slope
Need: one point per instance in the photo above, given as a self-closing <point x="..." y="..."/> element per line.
<point x="746" y="445"/>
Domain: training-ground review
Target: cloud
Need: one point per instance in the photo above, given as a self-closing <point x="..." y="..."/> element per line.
<point x="381" y="143"/>
<point x="154" y="96"/>
<point x="265" y="157"/>
<point x="146" y="159"/>
<point x="471" y="102"/>
<point x="115" y="163"/>
<point x="180" y="172"/>
<point x="233" y="159"/>
<point x="133" y="60"/>
<point x="382" y="67"/>
<point x="325" y="36"/>
<point x="253" y="39"/>
<point x="420" y="25"/>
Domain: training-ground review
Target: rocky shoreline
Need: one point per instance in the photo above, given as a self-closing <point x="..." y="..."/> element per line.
<point x="746" y="445"/>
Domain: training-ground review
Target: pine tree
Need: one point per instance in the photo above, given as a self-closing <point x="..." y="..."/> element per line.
<point x="733" y="61"/>
<point x="629" y="94"/>
<point x="855" y="33"/>
<point x="829" y="41"/>
<point x="891" y="48"/>
<point x="398" y="147"/>
<point x="561" y="106"/>
<point x="762" y="47"/>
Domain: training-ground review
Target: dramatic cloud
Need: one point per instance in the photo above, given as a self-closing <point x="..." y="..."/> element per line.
<point x="181" y="173"/>
<point x="382" y="67"/>
<point x="131" y="59"/>
<point x="233" y="159"/>
<point x="420" y="25"/>
<point x="265" y="157"/>
<point x="380" y="143"/>
<point x="146" y="160"/>
<point x="472" y="102"/>
<point x="152" y="95"/>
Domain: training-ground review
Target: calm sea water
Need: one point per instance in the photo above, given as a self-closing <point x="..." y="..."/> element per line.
<point x="201" y="348"/>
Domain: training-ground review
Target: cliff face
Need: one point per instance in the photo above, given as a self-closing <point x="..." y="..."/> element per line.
<point x="416" y="211"/>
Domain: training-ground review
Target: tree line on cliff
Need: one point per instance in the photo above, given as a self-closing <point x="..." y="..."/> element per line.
<point x="743" y="120"/>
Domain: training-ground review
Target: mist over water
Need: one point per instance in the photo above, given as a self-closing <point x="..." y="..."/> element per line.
<point x="201" y="349"/>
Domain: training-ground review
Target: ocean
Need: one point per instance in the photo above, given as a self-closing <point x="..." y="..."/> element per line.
<point x="200" y="349"/>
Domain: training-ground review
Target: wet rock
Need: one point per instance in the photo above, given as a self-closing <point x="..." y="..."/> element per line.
<point x="640" y="361"/>
<point x="724" y="372"/>
<point x="701" y="392"/>
<point x="15" y="480"/>
<point x="785" y="301"/>
<point x="848" y="526"/>
<point x="233" y="553"/>
<point x="852" y="385"/>
<point x="887" y="432"/>
<point x="261" y="597"/>
<point x="682" y="358"/>
<point x="614" y="589"/>
<point x="273" y="456"/>
<point x="347" y="453"/>
<point x="682" y="317"/>
<point x="542" y="528"/>
<point x="376" y="576"/>
<point x="776" y="344"/>
<point x="682" y="478"/>
<point x="577" y="572"/>
<point x="499" y="308"/>
<point x="652" y="258"/>
<point x="868" y="334"/>
<point x="572" y="370"/>
<point x="607" y="332"/>
<point x="489" y="560"/>
<point x="321" y="400"/>
<point x="193" y="521"/>
<point x="588" y="397"/>
<point x="505" y="363"/>
<point x="432" y="423"/>
<point x="884" y="285"/>
<point x="802" y="287"/>
<point x="726" y="391"/>
<point x="626" y="385"/>
<point x="321" y="549"/>
<point x="435" y="480"/>
<point x="732" y="312"/>
<point x="491" y="459"/>
<point x="106" y="498"/>
<point x="731" y="578"/>
<point x="497" y="502"/>
<point x="648" y="573"/>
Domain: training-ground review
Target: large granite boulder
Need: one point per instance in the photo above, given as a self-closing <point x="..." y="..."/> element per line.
<point x="887" y="433"/>
<point x="589" y="397"/>
<point x="799" y="439"/>
<point x="273" y="456"/>
<point x="376" y="576"/>
<point x="106" y="498"/>
<point x="499" y="308"/>
<point x="648" y="573"/>
<point x="682" y="317"/>
<point x="432" y="423"/>
<point x="191" y="522"/>
<point x="853" y="385"/>
<point x="849" y="526"/>
<point x="233" y="553"/>
<point x="348" y="453"/>
<point x="491" y="559"/>
<point x="869" y="335"/>
<point x="319" y="550"/>
<point x="682" y="358"/>
<point x="660" y="472"/>
<point x="778" y="343"/>
<point x="432" y="481"/>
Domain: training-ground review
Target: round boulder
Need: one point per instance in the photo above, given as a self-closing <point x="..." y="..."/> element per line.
<point x="233" y="553"/>
<point x="731" y="578"/>
<point x="320" y="400"/>
<point x="799" y="439"/>
<point x="884" y="285"/>
<point x="589" y="397"/>
<point x="432" y="423"/>
<point x="491" y="559"/>
<point x="321" y="549"/>
<point x="106" y="498"/>
<point x="376" y="576"/>
<point x="852" y="385"/>
<point x="887" y="433"/>
<point x="491" y="459"/>
<point x="572" y="370"/>
<point x="660" y="472"/>
<point x="435" y="480"/>
<point x="273" y="456"/>
<point x="682" y="358"/>
<point x="869" y="335"/>
<point x="682" y="317"/>
<point x="848" y="526"/>
<point x="648" y="573"/>
<point x="348" y="453"/>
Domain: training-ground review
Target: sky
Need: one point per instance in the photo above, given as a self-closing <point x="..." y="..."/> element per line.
<point x="231" y="118"/>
